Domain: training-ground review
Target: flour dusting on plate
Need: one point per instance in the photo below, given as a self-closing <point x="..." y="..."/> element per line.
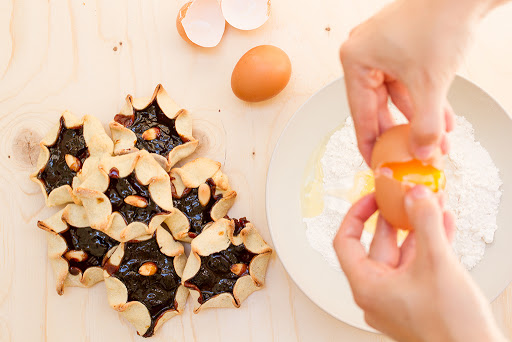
<point x="473" y="191"/>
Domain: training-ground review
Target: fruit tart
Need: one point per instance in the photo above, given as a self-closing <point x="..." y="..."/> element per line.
<point x="143" y="280"/>
<point x="68" y="152"/>
<point x="202" y="194"/>
<point x="76" y="251"/>
<point x="156" y="124"/>
<point x="227" y="263"/>
<point x="128" y="196"/>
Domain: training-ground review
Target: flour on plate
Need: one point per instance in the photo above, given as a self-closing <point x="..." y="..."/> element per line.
<point x="473" y="191"/>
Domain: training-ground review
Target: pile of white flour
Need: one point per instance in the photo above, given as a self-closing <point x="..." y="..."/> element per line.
<point x="473" y="190"/>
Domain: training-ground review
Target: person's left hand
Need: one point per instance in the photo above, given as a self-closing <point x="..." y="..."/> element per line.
<point x="419" y="291"/>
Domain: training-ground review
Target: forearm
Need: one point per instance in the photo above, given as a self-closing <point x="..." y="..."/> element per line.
<point x="497" y="3"/>
<point x="465" y="10"/>
<point x="483" y="7"/>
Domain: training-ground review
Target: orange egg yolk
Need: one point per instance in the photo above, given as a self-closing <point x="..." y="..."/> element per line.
<point x="414" y="171"/>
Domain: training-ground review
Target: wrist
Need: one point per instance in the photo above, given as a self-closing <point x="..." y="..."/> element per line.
<point x="485" y="331"/>
<point x="478" y="335"/>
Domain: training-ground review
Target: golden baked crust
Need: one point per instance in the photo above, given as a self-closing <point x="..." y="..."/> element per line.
<point x="201" y="194"/>
<point x="75" y="250"/>
<point x="128" y="196"/>
<point x="87" y="131"/>
<point x="227" y="263"/>
<point x="156" y="265"/>
<point x="131" y="134"/>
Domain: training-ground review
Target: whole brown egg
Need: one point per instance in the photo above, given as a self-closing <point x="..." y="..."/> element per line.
<point x="261" y="73"/>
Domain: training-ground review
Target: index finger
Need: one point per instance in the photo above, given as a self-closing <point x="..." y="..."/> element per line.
<point x="429" y="120"/>
<point x="347" y="242"/>
<point x="361" y="84"/>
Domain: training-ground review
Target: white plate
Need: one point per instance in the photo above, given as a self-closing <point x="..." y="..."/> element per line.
<point x="317" y="118"/>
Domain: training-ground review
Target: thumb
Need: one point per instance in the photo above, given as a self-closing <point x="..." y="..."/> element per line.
<point x="426" y="217"/>
<point x="428" y="121"/>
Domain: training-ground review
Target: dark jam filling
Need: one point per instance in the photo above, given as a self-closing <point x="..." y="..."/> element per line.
<point x="149" y="117"/>
<point x="158" y="291"/>
<point x="56" y="172"/>
<point x="215" y="276"/>
<point x="95" y="243"/>
<point x="120" y="188"/>
<point x="197" y="215"/>
<point x="239" y="225"/>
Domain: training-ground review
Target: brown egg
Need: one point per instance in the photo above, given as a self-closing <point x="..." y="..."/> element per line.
<point x="396" y="171"/>
<point x="262" y="73"/>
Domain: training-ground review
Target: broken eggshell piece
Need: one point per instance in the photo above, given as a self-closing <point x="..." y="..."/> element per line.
<point x="246" y="14"/>
<point x="201" y="22"/>
<point x="179" y="25"/>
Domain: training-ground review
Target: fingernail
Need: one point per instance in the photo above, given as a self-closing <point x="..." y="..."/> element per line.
<point x="416" y="193"/>
<point x="424" y="152"/>
<point x="384" y="171"/>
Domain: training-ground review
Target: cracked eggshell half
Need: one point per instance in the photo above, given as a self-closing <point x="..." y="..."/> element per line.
<point x="201" y="23"/>
<point x="393" y="147"/>
<point x="246" y="14"/>
<point x="179" y="25"/>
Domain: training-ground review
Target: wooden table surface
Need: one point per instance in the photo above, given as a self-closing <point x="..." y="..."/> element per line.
<point x="86" y="56"/>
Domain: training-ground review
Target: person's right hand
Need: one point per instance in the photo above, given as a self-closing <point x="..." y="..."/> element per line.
<point x="419" y="291"/>
<point x="409" y="53"/>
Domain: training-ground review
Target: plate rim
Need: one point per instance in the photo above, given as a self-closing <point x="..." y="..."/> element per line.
<point x="267" y="211"/>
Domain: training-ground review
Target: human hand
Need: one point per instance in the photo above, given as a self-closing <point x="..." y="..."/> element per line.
<point x="409" y="53"/>
<point x="419" y="291"/>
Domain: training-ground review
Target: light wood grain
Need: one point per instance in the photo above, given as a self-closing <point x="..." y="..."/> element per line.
<point x="86" y="56"/>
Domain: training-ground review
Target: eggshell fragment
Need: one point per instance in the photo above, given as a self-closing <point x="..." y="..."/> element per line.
<point x="390" y="194"/>
<point x="262" y="73"/>
<point x="181" y="14"/>
<point x="202" y="22"/>
<point x="246" y="14"/>
<point x="393" y="146"/>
